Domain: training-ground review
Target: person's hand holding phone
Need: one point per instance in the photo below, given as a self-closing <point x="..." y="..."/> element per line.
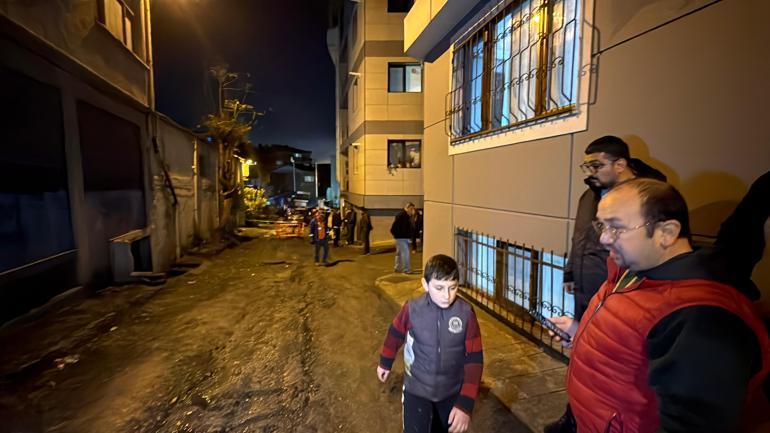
<point x="566" y="324"/>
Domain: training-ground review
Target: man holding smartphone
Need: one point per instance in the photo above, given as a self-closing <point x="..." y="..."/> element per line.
<point x="606" y="163"/>
<point x="665" y="344"/>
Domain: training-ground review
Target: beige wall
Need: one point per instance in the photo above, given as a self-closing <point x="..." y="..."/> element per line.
<point x="72" y="27"/>
<point x="381" y="25"/>
<point x="688" y="99"/>
<point x="370" y="101"/>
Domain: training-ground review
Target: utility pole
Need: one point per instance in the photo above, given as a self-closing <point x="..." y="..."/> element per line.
<point x="293" y="174"/>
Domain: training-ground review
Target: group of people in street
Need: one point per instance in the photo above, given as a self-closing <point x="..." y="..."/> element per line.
<point x="666" y="336"/>
<point x="329" y="224"/>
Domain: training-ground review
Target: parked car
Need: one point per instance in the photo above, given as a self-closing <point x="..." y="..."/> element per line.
<point x="300" y="199"/>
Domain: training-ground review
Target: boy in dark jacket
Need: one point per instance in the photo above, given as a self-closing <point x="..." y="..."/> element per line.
<point x="442" y="363"/>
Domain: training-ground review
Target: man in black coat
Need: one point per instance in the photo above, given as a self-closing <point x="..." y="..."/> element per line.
<point x="401" y="229"/>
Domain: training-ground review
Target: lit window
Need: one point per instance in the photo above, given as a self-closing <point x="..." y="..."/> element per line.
<point x="404" y="77"/>
<point x="519" y="67"/>
<point x="404" y="153"/>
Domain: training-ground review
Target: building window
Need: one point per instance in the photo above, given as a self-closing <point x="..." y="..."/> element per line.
<point x="400" y="6"/>
<point x="520" y="67"/>
<point x="404" y="77"/>
<point x="513" y="281"/>
<point x="404" y="153"/>
<point x="119" y="19"/>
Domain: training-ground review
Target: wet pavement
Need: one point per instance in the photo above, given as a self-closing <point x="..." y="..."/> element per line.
<point x="256" y="339"/>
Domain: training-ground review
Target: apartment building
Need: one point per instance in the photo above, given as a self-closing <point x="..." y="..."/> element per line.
<point x="514" y="91"/>
<point x="379" y="110"/>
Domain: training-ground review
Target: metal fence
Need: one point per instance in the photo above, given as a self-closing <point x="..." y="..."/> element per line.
<point x="508" y="280"/>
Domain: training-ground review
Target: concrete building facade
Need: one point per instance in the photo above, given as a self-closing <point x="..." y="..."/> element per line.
<point x="508" y="113"/>
<point x="379" y="110"/>
<point x="86" y="162"/>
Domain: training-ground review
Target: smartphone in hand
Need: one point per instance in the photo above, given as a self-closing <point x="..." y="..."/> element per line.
<point x="547" y="324"/>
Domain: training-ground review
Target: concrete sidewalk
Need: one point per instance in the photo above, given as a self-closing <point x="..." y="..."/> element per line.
<point x="518" y="372"/>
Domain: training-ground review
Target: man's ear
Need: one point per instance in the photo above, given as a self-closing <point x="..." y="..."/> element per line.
<point x="621" y="164"/>
<point x="424" y="284"/>
<point x="669" y="230"/>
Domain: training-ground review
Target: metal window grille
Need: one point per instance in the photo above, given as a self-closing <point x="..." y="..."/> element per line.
<point x="508" y="280"/>
<point x="520" y="67"/>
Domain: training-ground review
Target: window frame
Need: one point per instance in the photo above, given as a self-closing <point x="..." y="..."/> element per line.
<point x="403" y="142"/>
<point x="127" y="16"/>
<point x="402" y="66"/>
<point x="461" y="113"/>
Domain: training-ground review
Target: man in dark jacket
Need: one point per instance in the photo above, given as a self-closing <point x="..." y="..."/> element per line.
<point x="350" y="222"/>
<point x="366" y="227"/>
<point x="401" y="229"/>
<point x="606" y="163"/>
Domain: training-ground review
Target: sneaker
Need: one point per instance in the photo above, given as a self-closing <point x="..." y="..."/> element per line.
<point x="317" y="264"/>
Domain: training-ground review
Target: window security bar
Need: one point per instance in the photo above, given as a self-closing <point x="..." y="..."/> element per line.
<point x="520" y="67"/>
<point x="508" y="280"/>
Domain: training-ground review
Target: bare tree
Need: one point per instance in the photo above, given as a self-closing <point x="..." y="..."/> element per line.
<point x="229" y="127"/>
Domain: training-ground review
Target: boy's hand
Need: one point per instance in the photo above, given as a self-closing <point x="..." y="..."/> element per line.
<point x="459" y="421"/>
<point x="382" y="374"/>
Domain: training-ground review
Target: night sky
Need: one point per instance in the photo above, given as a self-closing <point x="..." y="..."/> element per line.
<point x="282" y="44"/>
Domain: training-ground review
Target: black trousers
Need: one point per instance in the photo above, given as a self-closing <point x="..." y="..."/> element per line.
<point x="425" y="416"/>
<point x="365" y="238"/>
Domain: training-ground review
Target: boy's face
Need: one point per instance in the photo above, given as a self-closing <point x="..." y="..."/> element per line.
<point x="442" y="292"/>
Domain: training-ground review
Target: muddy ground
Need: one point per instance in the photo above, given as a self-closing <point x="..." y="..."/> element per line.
<point x="257" y="339"/>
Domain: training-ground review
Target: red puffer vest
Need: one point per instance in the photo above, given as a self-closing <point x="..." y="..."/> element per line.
<point x="607" y="376"/>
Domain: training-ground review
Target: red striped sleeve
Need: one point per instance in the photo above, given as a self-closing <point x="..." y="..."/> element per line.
<point x="474" y="365"/>
<point x="395" y="338"/>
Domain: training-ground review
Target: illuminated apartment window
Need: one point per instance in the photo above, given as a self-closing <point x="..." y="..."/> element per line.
<point x="119" y="19"/>
<point x="518" y="68"/>
<point x="404" y="77"/>
<point x="404" y="153"/>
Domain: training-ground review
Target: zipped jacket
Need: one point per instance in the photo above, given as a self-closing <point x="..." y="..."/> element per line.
<point x="666" y="350"/>
<point x="443" y="355"/>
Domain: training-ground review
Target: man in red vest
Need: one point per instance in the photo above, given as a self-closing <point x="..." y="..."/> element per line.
<point x="664" y="346"/>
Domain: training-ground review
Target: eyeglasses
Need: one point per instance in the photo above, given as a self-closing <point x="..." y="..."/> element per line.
<point x="614" y="232"/>
<point x="593" y="166"/>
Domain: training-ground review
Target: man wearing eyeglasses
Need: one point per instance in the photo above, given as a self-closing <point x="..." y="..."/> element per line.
<point x="606" y="163"/>
<point x="664" y="345"/>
